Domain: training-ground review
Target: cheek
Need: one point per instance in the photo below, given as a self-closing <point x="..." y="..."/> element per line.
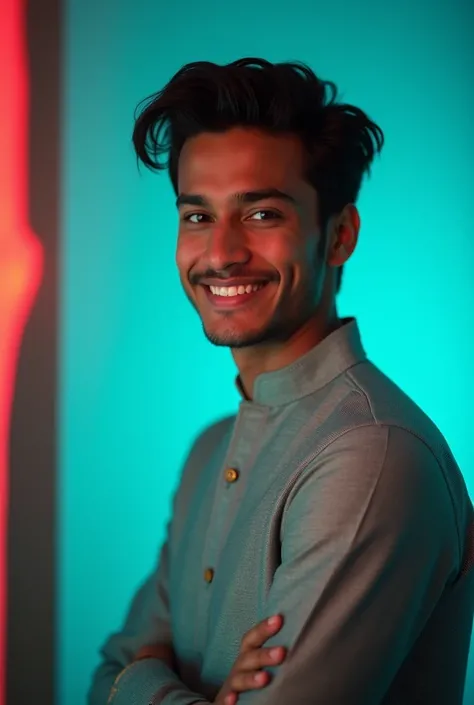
<point x="185" y="255"/>
<point x="180" y="258"/>
<point x="279" y="253"/>
<point x="301" y="269"/>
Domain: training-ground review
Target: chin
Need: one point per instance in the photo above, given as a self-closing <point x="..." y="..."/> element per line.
<point x="231" y="337"/>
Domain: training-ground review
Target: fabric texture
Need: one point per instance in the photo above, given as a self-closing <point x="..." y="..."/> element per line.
<point x="345" y="512"/>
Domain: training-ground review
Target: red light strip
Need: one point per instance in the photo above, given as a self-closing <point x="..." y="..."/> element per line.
<point x="21" y="255"/>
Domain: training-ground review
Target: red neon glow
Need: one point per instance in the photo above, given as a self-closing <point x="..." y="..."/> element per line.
<point x="21" y="256"/>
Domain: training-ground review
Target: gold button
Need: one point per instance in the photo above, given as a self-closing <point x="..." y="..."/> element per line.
<point x="208" y="575"/>
<point x="231" y="474"/>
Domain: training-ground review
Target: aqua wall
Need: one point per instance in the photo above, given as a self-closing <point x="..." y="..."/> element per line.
<point x="138" y="380"/>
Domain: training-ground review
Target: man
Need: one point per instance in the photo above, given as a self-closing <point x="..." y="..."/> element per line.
<point x="330" y="500"/>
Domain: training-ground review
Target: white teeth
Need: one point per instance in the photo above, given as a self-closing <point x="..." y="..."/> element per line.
<point x="235" y="290"/>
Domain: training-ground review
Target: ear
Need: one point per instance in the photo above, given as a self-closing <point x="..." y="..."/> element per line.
<point x="344" y="235"/>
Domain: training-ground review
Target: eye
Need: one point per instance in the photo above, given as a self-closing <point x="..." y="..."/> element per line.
<point x="273" y="214"/>
<point x="266" y="213"/>
<point x="188" y="217"/>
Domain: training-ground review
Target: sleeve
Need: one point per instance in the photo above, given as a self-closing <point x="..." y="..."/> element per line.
<point x="118" y="680"/>
<point x="369" y="541"/>
<point x="147" y="622"/>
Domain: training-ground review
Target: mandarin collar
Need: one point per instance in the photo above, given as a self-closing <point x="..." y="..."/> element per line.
<point x="332" y="356"/>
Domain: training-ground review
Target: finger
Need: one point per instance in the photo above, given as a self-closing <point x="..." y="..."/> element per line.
<point x="259" y="634"/>
<point x="242" y="681"/>
<point x="230" y="699"/>
<point x="255" y="659"/>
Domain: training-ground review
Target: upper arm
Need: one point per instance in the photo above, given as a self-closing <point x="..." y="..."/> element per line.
<point x="148" y="619"/>
<point x="369" y="541"/>
<point x="147" y="622"/>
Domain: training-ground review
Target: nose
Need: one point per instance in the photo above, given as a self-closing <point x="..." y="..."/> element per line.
<point x="226" y="246"/>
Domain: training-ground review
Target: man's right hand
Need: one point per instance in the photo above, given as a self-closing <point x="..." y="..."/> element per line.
<point x="246" y="673"/>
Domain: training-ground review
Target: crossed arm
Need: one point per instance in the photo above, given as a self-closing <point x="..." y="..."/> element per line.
<point x="369" y="542"/>
<point x="147" y="622"/>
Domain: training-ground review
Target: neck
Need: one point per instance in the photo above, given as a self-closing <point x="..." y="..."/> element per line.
<point x="268" y="357"/>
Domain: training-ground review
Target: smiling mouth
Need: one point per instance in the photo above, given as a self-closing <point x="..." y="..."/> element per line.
<point x="233" y="296"/>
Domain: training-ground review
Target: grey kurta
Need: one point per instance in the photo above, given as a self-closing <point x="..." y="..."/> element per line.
<point x="345" y="512"/>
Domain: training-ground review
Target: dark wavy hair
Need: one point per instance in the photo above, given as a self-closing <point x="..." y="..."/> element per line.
<point x="339" y="139"/>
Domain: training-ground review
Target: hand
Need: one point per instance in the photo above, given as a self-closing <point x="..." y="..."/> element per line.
<point x="246" y="673"/>
<point x="163" y="652"/>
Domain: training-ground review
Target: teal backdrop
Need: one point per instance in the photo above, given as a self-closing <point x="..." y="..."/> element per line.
<point x="138" y="379"/>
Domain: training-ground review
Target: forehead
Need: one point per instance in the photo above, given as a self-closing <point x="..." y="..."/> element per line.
<point x="241" y="158"/>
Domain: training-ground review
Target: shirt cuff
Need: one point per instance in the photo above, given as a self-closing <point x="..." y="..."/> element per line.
<point x="151" y="682"/>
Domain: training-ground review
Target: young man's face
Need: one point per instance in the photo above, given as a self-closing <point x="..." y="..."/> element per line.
<point x="227" y="241"/>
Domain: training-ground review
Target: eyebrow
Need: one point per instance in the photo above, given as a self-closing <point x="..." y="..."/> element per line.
<point x="194" y="199"/>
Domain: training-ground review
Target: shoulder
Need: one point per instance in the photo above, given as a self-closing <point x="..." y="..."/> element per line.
<point x="395" y="460"/>
<point x="371" y="453"/>
<point x="378" y="422"/>
<point x="384" y="476"/>
<point x="211" y="436"/>
<point x="414" y="443"/>
<point x="374" y="397"/>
